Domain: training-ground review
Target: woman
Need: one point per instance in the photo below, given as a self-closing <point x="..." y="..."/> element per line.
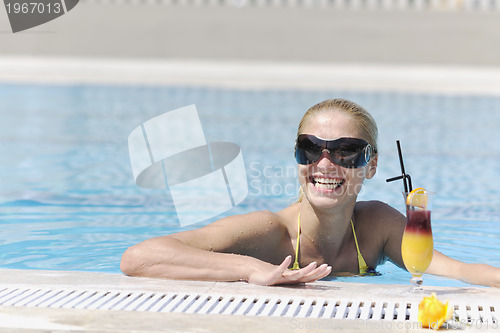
<point x="326" y="232"/>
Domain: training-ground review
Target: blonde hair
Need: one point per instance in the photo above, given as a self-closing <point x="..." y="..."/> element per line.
<point x="365" y="121"/>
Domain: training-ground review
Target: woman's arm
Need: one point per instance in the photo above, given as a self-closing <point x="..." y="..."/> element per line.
<point x="479" y="274"/>
<point x="196" y="254"/>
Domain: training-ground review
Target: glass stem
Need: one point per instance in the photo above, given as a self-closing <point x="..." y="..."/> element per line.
<point x="416" y="282"/>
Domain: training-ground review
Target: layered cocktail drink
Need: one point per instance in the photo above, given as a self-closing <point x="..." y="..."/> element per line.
<point x="417" y="245"/>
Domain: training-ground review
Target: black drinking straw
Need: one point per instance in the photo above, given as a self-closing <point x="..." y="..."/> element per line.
<point x="406" y="177"/>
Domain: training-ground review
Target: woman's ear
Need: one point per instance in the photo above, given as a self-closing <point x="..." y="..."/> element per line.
<point x="372" y="167"/>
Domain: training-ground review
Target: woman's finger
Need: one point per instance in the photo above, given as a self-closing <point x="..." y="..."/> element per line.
<point x="285" y="263"/>
<point x="278" y="274"/>
<point x="309" y="273"/>
<point x="318" y="273"/>
<point x="298" y="274"/>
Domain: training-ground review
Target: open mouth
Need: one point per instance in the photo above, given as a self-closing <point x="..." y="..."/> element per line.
<point x="327" y="183"/>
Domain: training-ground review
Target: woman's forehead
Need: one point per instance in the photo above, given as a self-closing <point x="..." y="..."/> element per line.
<point x="331" y="125"/>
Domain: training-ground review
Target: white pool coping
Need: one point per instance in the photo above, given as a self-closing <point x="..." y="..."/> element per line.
<point x="41" y="319"/>
<point x="253" y="74"/>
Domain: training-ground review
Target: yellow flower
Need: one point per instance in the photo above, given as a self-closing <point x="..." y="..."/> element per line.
<point x="432" y="313"/>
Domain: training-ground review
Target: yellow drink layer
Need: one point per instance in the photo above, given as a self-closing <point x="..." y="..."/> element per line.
<point x="417" y="249"/>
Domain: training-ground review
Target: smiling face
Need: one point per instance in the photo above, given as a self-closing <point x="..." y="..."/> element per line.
<point x="324" y="183"/>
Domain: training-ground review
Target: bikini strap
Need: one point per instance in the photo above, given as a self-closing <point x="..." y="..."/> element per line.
<point x="361" y="261"/>
<point x="296" y="262"/>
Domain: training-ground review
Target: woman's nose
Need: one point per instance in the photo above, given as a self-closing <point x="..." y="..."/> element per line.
<point x="325" y="160"/>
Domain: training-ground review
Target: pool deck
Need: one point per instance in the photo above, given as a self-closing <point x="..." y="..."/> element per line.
<point x="108" y="29"/>
<point x="252" y="74"/>
<point x="304" y="48"/>
<point x="43" y="319"/>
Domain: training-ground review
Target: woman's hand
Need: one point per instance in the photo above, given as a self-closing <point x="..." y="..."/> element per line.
<point x="282" y="275"/>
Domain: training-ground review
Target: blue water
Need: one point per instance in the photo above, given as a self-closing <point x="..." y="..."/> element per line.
<point x="68" y="200"/>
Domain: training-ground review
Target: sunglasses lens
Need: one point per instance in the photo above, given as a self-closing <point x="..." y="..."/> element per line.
<point x="306" y="151"/>
<point x="345" y="152"/>
<point x="351" y="153"/>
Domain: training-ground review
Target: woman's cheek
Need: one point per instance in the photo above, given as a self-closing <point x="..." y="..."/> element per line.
<point x="303" y="174"/>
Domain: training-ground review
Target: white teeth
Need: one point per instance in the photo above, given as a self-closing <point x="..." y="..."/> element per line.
<point x="327" y="183"/>
<point x="326" y="186"/>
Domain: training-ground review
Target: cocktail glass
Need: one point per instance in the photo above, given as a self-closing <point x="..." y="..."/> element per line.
<point x="417" y="245"/>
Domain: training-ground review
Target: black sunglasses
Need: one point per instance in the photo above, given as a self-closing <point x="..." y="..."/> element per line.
<point x="345" y="152"/>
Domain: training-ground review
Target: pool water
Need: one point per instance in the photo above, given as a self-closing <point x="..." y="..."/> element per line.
<point x="68" y="200"/>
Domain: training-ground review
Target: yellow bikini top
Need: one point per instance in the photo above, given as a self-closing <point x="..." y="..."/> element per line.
<point x="363" y="267"/>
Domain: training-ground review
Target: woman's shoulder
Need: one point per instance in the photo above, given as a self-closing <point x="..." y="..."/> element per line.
<point x="263" y="216"/>
<point x="375" y="206"/>
<point x="237" y="233"/>
<point x="278" y="223"/>
<point x="254" y="220"/>
<point x="377" y="211"/>
<point x="281" y="219"/>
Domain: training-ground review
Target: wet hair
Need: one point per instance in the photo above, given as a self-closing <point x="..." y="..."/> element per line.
<point x="365" y="121"/>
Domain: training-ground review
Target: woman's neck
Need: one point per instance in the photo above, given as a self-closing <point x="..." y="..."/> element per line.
<point x="326" y="225"/>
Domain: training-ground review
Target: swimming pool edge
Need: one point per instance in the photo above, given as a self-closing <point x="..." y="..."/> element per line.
<point x="248" y="74"/>
<point x="91" y="320"/>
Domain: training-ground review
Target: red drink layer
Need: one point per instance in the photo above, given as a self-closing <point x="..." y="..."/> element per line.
<point x="417" y="244"/>
<point x="419" y="221"/>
